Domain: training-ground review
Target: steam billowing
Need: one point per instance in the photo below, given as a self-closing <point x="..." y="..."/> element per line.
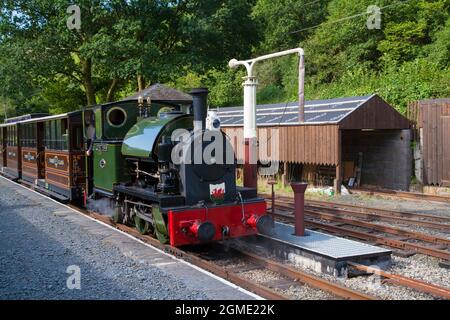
<point x="102" y="206"/>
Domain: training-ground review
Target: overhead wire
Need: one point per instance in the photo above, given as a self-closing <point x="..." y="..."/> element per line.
<point x="349" y="17"/>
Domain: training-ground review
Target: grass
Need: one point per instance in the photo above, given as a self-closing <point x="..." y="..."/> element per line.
<point x="264" y="187"/>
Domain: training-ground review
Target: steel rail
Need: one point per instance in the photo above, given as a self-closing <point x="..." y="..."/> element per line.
<point x="379" y="211"/>
<point x="217" y="270"/>
<point x="313" y="281"/>
<point x="404" y="195"/>
<point x="266" y="292"/>
<point x="385" y="229"/>
<point x="364" y="209"/>
<point x="379" y="217"/>
<point x="398" y="244"/>
<point x="405" y="281"/>
<point x="262" y="291"/>
<point x="222" y="272"/>
<point x="377" y="227"/>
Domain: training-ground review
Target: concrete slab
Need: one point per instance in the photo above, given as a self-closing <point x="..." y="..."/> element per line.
<point x="321" y="252"/>
<point x="325" y="244"/>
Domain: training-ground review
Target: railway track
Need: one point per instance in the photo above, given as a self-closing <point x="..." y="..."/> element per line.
<point x="233" y="276"/>
<point x="305" y="278"/>
<point x="342" y="291"/>
<point x="295" y="275"/>
<point x="267" y="292"/>
<point x="404" y="281"/>
<point x="377" y="211"/>
<point x="373" y="214"/>
<point x="260" y="290"/>
<point x="313" y="220"/>
<point x="364" y="224"/>
<point x="404" y="195"/>
<point x="356" y="222"/>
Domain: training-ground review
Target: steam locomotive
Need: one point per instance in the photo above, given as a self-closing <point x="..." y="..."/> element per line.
<point x="169" y="173"/>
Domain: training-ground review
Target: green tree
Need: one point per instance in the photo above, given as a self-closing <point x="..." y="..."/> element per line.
<point x="439" y="50"/>
<point x="119" y="41"/>
<point x="285" y="23"/>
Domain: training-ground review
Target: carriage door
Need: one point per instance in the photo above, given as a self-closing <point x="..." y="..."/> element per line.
<point x="41" y="150"/>
<point x="446" y="150"/>
<point x="77" y="155"/>
<point x="2" y="148"/>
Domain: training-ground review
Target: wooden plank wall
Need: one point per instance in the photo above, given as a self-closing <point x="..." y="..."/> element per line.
<point x="2" y="148"/>
<point x="375" y="114"/>
<point x="446" y="149"/>
<point x="307" y="144"/>
<point x="432" y="117"/>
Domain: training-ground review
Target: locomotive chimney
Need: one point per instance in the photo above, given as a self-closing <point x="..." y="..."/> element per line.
<point x="199" y="106"/>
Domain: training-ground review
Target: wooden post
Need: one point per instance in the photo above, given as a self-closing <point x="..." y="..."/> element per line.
<point x="338" y="180"/>
<point x="284" y="177"/>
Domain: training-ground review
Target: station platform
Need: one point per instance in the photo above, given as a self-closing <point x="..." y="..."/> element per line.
<point x="322" y="252"/>
<point x="42" y="239"/>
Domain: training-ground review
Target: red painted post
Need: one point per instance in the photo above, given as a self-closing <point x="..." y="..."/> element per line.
<point x="272" y="183"/>
<point x="250" y="163"/>
<point x="299" y="200"/>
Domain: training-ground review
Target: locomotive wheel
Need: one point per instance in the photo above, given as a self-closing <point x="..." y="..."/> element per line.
<point x="141" y="225"/>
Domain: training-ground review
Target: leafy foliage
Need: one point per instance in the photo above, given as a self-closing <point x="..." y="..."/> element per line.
<point x="407" y="59"/>
<point x="119" y="41"/>
<point x="125" y="44"/>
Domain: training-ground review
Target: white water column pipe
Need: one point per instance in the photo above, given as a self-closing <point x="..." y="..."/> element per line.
<point x="250" y="84"/>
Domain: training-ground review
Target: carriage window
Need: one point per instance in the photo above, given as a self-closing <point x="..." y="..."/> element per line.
<point x="56" y="135"/>
<point x="76" y="137"/>
<point x="28" y="137"/>
<point x="11" y="136"/>
<point x="64" y="140"/>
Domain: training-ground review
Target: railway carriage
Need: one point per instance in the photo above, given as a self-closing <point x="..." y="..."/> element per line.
<point x="2" y="147"/>
<point x="64" y="163"/>
<point x="32" y="150"/>
<point x="12" y="147"/>
<point x="12" y="166"/>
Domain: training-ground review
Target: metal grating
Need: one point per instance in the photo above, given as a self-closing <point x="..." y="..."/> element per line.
<point x="316" y="112"/>
<point x="326" y="245"/>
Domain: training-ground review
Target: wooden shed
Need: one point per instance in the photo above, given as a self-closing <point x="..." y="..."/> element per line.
<point x="431" y="121"/>
<point x="354" y="132"/>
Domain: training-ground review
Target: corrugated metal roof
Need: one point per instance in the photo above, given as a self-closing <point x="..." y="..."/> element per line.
<point x="329" y="111"/>
<point x="39" y="118"/>
<point x="53" y="117"/>
<point x="25" y="117"/>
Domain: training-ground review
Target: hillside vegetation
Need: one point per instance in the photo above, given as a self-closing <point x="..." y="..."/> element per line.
<point x="123" y="46"/>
